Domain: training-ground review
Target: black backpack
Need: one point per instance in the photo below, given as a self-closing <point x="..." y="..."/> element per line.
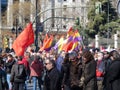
<point x="21" y="72"/>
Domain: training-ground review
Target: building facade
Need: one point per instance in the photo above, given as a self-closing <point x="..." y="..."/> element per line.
<point x="64" y="14"/>
<point x="62" y="17"/>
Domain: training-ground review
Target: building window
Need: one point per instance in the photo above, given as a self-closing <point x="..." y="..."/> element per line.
<point x="65" y="7"/>
<point x="73" y="9"/>
<point x="27" y="0"/>
<point x="82" y="1"/>
<point x="73" y="0"/>
<point x="64" y="17"/>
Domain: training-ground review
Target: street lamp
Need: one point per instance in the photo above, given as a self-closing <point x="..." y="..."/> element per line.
<point x="16" y="30"/>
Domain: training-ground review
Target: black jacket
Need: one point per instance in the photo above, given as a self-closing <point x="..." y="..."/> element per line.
<point x="89" y="73"/>
<point x="8" y="66"/>
<point x="65" y="74"/>
<point x="112" y="79"/>
<point x="52" y="80"/>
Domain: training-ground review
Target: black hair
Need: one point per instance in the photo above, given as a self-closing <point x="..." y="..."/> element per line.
<point x="53" y="62"/>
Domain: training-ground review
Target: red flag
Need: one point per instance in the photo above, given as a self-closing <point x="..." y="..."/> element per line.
<point x="25" y="39"/>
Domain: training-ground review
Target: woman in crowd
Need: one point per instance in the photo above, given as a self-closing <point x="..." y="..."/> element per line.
<point x="112" y="77"/>
<point x="89" y="71"/>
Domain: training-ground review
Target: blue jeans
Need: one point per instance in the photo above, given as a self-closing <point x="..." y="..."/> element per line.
<point x="8" y="81"/>
<point x="26" y="82"/>
<point x="35" y="80"/>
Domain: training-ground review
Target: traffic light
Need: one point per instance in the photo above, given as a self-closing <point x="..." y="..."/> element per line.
<point x="98" y="7"/>
<point x="77" y="22"/>
<point x="40" y="27"/>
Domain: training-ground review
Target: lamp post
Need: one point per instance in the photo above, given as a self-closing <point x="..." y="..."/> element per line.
<point x="108" y="23"/>
<point x="36" y="24"/>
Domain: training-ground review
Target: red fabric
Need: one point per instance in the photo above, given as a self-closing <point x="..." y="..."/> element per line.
<point x="26" y="63"/>
<point x="68" y="46"/>
<point x="25" y="39"/>
<point x="70" y="32"/>
<point x="99" y="73"/>
<point x="20" y="62"/>
<point x="36" y="68"/>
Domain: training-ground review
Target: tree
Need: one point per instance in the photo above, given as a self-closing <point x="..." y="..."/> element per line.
<point x="103" y="21"/>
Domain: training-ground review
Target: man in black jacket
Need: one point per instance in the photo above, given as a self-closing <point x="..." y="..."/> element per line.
<point x="52" y="78"/>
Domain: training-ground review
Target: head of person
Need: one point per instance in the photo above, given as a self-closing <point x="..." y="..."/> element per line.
<point x="27" y="55"/>
<point x="49" y="64"/>
<point x="1" y="62"/>
<point x="62" y="54"/>
<point x="100" y="56"/>
<point x="87" y="56"/>
<point x="19" y="58"/>
<point x="9" y="57"/>
<point x="73" y="56"/>
<point x="79" y="54"/>
<point x="66" y="59"/>
<point x="106" y="54"/>
<point x="114" y="55"/>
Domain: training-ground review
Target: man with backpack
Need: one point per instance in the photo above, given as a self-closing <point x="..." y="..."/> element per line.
<point x="18" y="75"/>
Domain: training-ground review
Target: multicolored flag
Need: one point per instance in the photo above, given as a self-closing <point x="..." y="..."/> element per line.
<point x="47" y="44"/>
<point x="70" y="32"/>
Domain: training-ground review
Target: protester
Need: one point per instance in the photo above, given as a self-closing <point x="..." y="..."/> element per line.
<point x="89" y="71"/>
<point x="25" y="61"/>
<point x="65" y="73"/>
<point x="36" y="68"/>
<point x="52" y="79"/>
<point x="75" y="70"/>
<point x="8" y="66"/>
<point x="18" y="75"/>
<point x="59" y="60"/>
<point x="3" y="79"/>
<point x="107" y="60"/>
<point x="112" y="78"/>
<point x="100" y="70"/>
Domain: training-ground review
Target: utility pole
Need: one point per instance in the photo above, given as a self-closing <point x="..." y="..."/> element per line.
<point x="53" y="11"/>
<point x="108" y="24"/>
<point x="36" y="31"/>
<point x="0" y="17"/>
<point x="0" y="26"/>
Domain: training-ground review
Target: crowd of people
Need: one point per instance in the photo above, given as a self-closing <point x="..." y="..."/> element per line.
<point x="86" y="69"/>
